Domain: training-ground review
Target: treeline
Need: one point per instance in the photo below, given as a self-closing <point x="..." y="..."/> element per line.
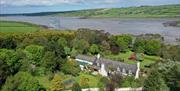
<point x="24" y="55"/>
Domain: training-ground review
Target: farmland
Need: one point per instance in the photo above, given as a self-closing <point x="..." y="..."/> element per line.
<point x="11" y="26"/>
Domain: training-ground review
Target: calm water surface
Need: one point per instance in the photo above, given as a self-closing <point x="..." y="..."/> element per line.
<point x="114" y="26"/>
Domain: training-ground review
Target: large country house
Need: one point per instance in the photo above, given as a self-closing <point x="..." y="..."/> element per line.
<point x="106" y="67"/>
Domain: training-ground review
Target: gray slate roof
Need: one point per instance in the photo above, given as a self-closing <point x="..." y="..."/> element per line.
<point x="109" y="63"/>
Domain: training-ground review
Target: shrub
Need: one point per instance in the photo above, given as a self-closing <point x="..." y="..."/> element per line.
<point x="76" y="87"/>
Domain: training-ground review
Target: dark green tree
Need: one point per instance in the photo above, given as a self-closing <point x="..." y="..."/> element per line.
<point x="54" y="47"/>
<point x="92" y="36"/>
<point x="4" y="72"/>
<point x="123" y="45"/>
<point x="173" y="78"/>
<point x="49" y="61"/>
<point x="38" y="40"/>
<point x="22" y="81"/>
<point x="170" y="52"/>
<point x="152" y="47"/>
<point x="155" y="82"/>
<point x="124" y="41"/>
<point x="139" y="45"/>
<point x="8" y="42"/>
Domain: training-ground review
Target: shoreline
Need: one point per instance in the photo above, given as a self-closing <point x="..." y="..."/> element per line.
<point x="120" y="27"/>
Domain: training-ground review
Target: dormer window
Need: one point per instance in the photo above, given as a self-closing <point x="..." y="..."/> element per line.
<point x="123" y="71"/>
<point x="130" y="72"/>
<point x="118" y="69"/>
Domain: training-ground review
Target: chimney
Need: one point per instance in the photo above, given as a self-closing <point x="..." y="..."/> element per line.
<point x="98" y="60"/>
<point x="98" y="56"/>
<point x="138" y="70"/>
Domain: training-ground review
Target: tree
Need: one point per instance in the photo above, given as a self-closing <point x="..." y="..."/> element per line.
<point x="170" y="72"/>
<point x="171" y="52"/>
<point x="57" y="49"/>
<point x="71" y="67"/>
<point x="11" y="59"/>
<point x="102" y="83"/>
<point x="155" y="82"/>
<point x="76" y="87"/>
<point x="91" y="36"/>
<point x="73" y="53"/>
<point x="4" y="72"/>
<point x="122" y="44"/>
<point x="62" y="42"/>
<point x="22" y="81"/>
<point x="115" y="49"/>
<point x="38" y="40"/>
<point x="34" y="53"/>
<point x="172" y="78"/>
<point x="124" y="41"/>
<point x="105" y="46"/>
<point x="152" y="47"/>
<point x="139" y="46"/>
<point x="57" y="84"/>
<point x="67" y="51"/>
<point x="127" y="38"/>
<point x="94" y="49"/>
<point x="8" y="43"/>
<point x="80" y="45"/>
<point x="49" y="61"/>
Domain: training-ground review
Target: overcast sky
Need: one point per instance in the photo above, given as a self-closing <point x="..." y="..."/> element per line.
<point x="29" y="6"/>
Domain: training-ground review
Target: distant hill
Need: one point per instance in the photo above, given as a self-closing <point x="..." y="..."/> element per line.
<point x="142" y="11"/>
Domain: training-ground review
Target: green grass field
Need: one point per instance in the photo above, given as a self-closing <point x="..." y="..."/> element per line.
<point x="162" y="11"/>
<point x="12" y="26"/>
<point x="124" y="56"/>
<point x="92" y="80"/>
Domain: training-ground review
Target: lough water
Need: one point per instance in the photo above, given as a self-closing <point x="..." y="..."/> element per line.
<point x="114" y="26"/>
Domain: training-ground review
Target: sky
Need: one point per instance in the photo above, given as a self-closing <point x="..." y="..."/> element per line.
<point x="33" y="6"/>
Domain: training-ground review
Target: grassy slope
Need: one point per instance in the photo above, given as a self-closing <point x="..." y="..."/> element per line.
<point x="124" y="56"/>
<point x="93" y="80"/>
<point x="143" y="11"/>
<point x="11" y="26"/>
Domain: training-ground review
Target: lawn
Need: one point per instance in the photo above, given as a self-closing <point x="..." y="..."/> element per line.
<point x="12" y="26"/>
<point x="92" y="80"/>
<point x="124" y="56"/>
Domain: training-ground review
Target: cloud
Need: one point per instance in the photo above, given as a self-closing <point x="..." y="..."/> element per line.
<point x="52" y="2"/>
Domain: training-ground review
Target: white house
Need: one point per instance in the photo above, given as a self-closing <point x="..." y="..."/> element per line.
<point x="106" y="67"/>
